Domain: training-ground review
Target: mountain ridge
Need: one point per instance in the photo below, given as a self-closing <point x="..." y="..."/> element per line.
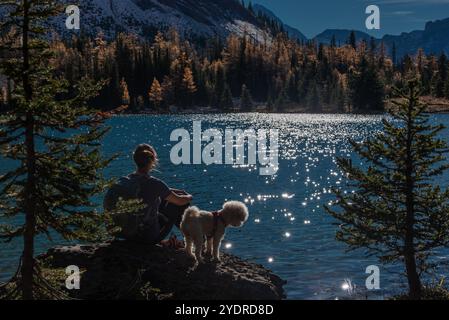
<point x="341" y="36"/>
<point x="211" y="18"/>
<point x="294" y="33"/>
<point x="197" y="18"/>
<point x="434" y="39"/>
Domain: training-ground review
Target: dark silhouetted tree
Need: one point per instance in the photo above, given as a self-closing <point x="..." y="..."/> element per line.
<point x="366" y="88"/>
<point x="352" y="41"/>
<point x="155" y="94"/>
<point x="226" y="103"/>
<point x="397" y="211"/>
<point x="49" y="189"/>
<point x="246" y="103"/>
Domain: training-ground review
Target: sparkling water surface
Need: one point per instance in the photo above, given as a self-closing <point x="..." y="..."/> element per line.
<point x="288" y="230"/>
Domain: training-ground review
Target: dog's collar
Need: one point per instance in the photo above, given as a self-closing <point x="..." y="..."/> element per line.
<point x="217" y="218"/>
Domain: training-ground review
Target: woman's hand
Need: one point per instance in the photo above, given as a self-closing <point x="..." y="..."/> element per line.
<point x="179" y="199"/>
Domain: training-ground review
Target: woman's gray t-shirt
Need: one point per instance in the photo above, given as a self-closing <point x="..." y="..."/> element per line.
<point x="152" y="192"/>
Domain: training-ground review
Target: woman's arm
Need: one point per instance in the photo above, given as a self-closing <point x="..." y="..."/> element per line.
<point x="179" y="192"/>
<point x="179" y="199"/>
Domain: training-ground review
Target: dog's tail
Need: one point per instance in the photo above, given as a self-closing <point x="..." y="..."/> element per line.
<point x="191" y="212"/>
<point x="189" y="215"/>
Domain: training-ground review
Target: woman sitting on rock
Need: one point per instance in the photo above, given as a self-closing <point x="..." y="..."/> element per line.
<point x="164" y="206"/>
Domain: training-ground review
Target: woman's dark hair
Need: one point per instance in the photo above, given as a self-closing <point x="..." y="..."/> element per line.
<point x="145" y="155"/>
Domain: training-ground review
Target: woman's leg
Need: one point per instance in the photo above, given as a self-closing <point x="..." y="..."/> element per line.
<point x="169" y="216"/>
<point x="172" y="212"/>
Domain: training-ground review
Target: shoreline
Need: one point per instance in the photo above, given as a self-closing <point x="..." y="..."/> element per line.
<point x="193" y="112"/>
<point x="435" y="106"/>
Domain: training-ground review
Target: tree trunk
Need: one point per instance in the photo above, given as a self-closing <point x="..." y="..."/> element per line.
<point x="414" y="281"/>
<point x="409" y="252"/>
<point x="30" y="216"/>
<point x="27" y="269"/>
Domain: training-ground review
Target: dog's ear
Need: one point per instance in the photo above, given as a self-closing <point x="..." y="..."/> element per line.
<point x="237" y="209"/>
<point x="245" y="214"/>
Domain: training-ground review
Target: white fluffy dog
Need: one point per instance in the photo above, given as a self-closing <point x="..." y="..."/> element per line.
<point x="197" y="225"/>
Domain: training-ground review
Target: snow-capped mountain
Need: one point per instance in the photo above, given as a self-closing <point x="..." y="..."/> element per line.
<point x="200" y="18"/>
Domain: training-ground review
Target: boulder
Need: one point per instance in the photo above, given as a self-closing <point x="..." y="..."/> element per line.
<point x="126" y="270"/>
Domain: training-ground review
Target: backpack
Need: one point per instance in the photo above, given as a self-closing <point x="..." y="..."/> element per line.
<point x="130" y="223"/>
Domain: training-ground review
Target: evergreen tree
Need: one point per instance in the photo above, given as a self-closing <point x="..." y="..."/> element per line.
<point x="441" y="77"/>
<point x="394" y="54"/>
<point x="219" y="83"/>
<point x="188" y="86"/>
<point x="340" y="98"/>
<point x="270" y="104"/>
<point x="155" y="94"/>
<point x="372" y="46"/>
<point x="124" y="93"/>
<point x="292" y="88"/>
<point x="366" y="88"/>
<point x="382" y="55"/>
<point x="352" y="41"/>
<point x="320" y="52"/>
<point x="250" y="7"/>
<point x="313" y="100"/>
<point x="2" y="99"/>
<point x="446" y="89"/>
<point x="396" y="211"/>
<point x="333" y="41"/>
<point x="407" y="66"/>
<point x="54" y="175"/>
<point x="226" y="103"/>
<point x="246" y="103"/>
<point x="140" y="103"/>
<point x="167" y="91"/>
<point x="281" y="101"/>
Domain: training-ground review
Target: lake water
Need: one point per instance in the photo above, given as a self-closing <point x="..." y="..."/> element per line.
<point x="288" y="230"/>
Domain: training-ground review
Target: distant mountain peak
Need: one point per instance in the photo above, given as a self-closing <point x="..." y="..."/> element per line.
<point x="341" y="36"/>
<point x="434" y="39"/>
<point x="291" y="31"/>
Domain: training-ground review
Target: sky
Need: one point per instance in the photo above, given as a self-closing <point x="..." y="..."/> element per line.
<point x="311" y="17"/>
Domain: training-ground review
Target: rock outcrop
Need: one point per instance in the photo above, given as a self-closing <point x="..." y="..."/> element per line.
<point x="124" y="270"/>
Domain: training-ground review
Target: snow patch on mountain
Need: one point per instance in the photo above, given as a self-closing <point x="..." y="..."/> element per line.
<point x="203" y="18"/>
<point x="240" y="27"/>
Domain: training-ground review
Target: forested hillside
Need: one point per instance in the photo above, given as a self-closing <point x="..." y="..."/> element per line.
<point x="278" y="75"/>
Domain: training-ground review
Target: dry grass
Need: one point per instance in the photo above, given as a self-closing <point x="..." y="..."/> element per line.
<point x="429" y="293"/>
<point x="435" y="105"/>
